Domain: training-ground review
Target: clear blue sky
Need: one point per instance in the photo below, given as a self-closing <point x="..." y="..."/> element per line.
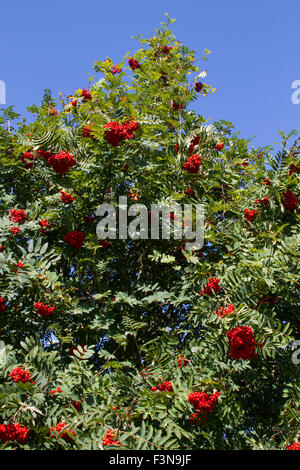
<point x="254" y="44"/>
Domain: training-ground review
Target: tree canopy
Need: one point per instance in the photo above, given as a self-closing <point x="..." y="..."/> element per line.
<point x="139" y="343"/>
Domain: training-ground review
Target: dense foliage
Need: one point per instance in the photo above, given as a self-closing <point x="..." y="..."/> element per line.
<point x="140" y="344"/>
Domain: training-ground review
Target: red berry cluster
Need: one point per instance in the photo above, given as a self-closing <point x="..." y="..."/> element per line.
<point x="62" y="162"/>
<point x="164" y="387"/>
<point x="109" y="439"/>
<point x="267" y="182"/>
<point x="222" y="312"/>
<point x="189" y="192"/>
<point x="114" y="69"/>
<point x="86" y="95"/>
<point x="44" y="310"/>
<point x="15" y="230"/>
<point x="56" y="390"/>
<point x="44" y="154"/>
<point x="202" y="404"/>
<point x="294" y="446"/>
<point x="250" y="215"/>
<point x="66" y="198"/>
<point x="263" y="202"/>
<point x="75" y="239"/>
<point x="104" y="243"/>
<point x="219" y="146"/>
<point x="17" y="216"/>
<point x="198" y="86"/>
<point x="19" y="265"/>
<point x="87" y="131"/>
<point x="242" y="343"/>
<point x="172" y="216"/>
<point x="64" y="433"/>
<point x="294" y="169"/>
<point x="211" y="286"/>
<point x="193" y="164"/>
<point x="2" y="305"/>
<point x="14" y="432"/>
<point x="176" y="105"/>
<point x="52" y="111"/>
<point x="134" y="64"/>
<point x="195" y="141"/>
<point x="20" y="375"/>
<point x="117" y="132"/>
<point x="166" y="49"/>
<point x="289" y="200"/>
<point x="162" y="50"/>
<point x="182" y="361"/>
<point x="27" y="159"/>
<point x="44" y="224"/>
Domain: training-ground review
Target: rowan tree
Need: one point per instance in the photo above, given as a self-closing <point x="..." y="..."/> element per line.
<point x="142" y="344"/>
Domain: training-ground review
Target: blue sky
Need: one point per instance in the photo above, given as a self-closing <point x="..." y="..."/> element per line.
<point x="254" y="60"/>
